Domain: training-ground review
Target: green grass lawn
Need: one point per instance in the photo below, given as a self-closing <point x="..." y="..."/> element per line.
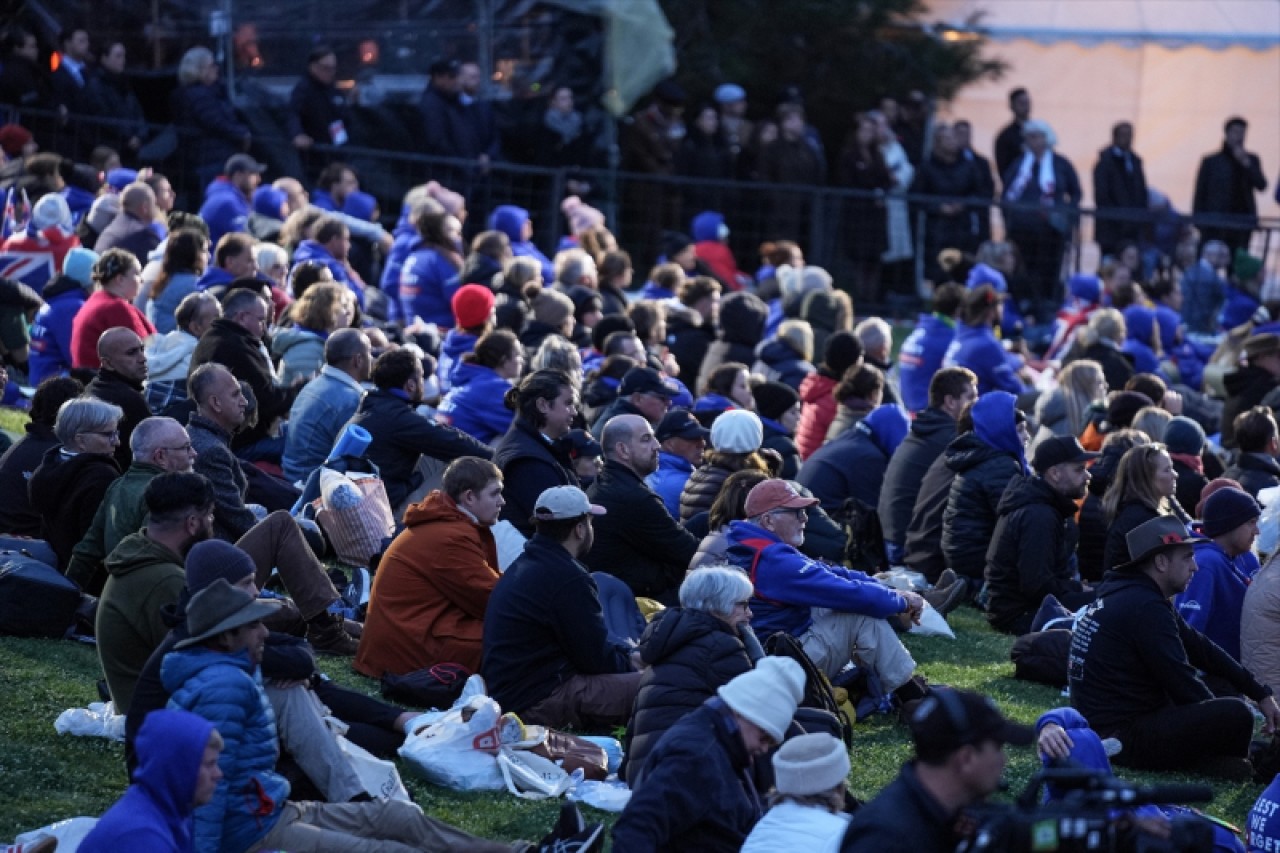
<point x="46" y="777"/>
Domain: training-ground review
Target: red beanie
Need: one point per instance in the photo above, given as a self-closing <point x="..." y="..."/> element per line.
<point x="472" y="305"/>
<point x="13" y="138"/>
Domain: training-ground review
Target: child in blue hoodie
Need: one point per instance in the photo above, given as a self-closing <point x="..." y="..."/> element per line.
<point x="515" y="223"/>
<point x="177" y="771"/>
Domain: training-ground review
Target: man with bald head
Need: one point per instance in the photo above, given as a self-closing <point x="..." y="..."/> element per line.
<point x="158" y="446"/>
<point x="133" y="229"/>
<point x="119" y="381"/>
<point x="637" y="540"/>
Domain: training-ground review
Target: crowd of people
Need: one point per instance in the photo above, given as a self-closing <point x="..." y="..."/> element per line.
<point x="675" y="466"/>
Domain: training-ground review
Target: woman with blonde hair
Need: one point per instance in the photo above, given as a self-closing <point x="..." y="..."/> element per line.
<point x="1151" y="420"/>
<point x="322" y="309"/>
<point x="1101" y="340"/>
<point x="1067" y="409"/>
<point x="1142" y="490"/>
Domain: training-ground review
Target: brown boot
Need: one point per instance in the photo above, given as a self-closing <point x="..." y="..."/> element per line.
<point x="328" y="636"/>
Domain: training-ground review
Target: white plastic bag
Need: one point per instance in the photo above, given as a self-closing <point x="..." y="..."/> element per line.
<point x="932" y="624"/>
<point x="532" y="777"/>
<point x="458" y="751"/>
<point x="610" y="795"/>
<point x="380" y="778"/>
<point x="903" y="580"/>
<point x="98" y="720"/>
<point x="69" y="833"/>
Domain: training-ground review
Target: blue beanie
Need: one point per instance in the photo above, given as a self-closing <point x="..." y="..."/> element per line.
<point x="1086" y="288"/>
<point x="1227" y="509"/>
<point x="78" y="264"/>
<point x="268" y="201"/>
<point x="984" y="274"/>
<point x="360" y="205"/>
<point x="213" y="559"/>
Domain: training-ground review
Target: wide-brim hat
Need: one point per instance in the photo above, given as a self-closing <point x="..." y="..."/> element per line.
<point x="221" y="607"/>
<point x="1153" y="537"/>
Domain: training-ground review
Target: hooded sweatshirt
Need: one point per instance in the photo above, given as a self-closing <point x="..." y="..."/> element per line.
<point x="474" y="403"/>
<point x="155" y="813"/>
<point x="711" y="249"/>
<point x="921" y="357"/>
<point x="51" y="331"/>
<point x="853" y="465"/>
<point x="510" y="220"/>
<point x="976" y="348"/>
<point x="144" y="577"/>
<point x="225" y="209"/>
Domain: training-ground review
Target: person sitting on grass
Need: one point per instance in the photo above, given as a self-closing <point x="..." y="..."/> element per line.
<point x="214" y="673"/>
<point x="807" y="805"/>
<point x="178" y="772"/>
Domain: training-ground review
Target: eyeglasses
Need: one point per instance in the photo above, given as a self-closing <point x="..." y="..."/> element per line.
<point x="115" y="433"/>
<point x="745" y="605"/>
<point x="185" y="447"/>
<point x="797" y="512"/>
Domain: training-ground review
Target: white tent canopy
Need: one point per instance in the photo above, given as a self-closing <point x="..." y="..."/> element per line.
<point x="1176" y="69"/>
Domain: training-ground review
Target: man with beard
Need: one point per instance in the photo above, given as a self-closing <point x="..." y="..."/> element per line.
<point x="637" y="540"/>
<point x="119" y="381"/>
<point x="1033" y="551"/>
<point x="146" y="575"/>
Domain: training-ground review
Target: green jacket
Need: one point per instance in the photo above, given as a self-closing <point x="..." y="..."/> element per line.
<point x="122" y="513"/>
<point x="145" y="576"/>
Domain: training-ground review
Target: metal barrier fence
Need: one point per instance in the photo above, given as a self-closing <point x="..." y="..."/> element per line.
<point x="836" y="227"/>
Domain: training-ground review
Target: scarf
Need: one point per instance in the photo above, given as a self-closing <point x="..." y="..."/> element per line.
<point x="1192" y="460"/>
<point x="1045" y="177"/>
<point x="567" y="125"/>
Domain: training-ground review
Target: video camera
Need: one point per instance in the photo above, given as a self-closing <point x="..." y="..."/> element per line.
<point x="1091" y="810"/>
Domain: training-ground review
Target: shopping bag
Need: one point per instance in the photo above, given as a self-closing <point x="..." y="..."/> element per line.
<point x="380" y="778"/>
<point x="356" y="527"/>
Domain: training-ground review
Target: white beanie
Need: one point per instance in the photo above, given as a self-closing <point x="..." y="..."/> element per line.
<point x="810" y="764"/>
<point x="51" y="209"/>
<point x="737" y="431"/>
<point x="767" y="695"/>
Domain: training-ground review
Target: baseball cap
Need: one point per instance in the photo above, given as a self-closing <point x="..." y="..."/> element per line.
<point x="582" y="443"/>
<point x="680" y="423"/>
<point x="947" y="719"/>
<point x="1057" y="450"/>
<point x="775" y="494"/>
<point x="242" y="163"/>
<point x="563" y="502"/>
<point x="1151" y="537"/>
<point x="644" y="380"/>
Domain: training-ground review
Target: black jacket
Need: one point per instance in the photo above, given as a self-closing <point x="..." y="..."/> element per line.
<point x="1117" y="367"/>
<point x="931" y="432"/>
<point x="447" y="130"/>
<point x="1129" y="516"/>
<point x="637" y="541"/>
<point x="1092" y="520"/>
<point x="785" y="444"/>
<point x="115" y="389"/>
<point x="696" y="792"/>
<point x="66" y="492"/>
<point x="544" y="625"/>
<point x="400" y="435"/>
<point x="1225" y="186"/>
<point x="1032" y="551"/>
<point x="530" y="465"/>
<point x="1132" y="654"/>
<point x="690" y="654"/>
<point x="947" y="181"/>
<point x="1255" y="472"/>
<point x="1190" y="484"/>
<point x="1245" y="389"/>
<point x="1119" y="183"/>
<point x="618" y="406"/>
<point x="688" y="338"/>
<point x="903" y="818"/>
<point x="313" y="109"/>
<point x="17" y="518"/>
<point x="924" y="533"/>
<point x="982" y="473"/>
<point x="111" y="96"/>
<point x="207" y="122"/>
<point x="1008" y="149"/>
<point x="230" y="345"/>
<point x="704" y="484"/>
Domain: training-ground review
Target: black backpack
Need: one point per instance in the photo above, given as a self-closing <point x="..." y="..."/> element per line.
<point x="36" y="600"/>
<point x="436" y="686"/>
<point x="865" y="550"/>
<point x="818" y="693"/>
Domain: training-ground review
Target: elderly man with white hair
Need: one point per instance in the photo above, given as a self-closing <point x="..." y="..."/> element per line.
<point x="876" y="336"/>
<point x="1041" y="198"/>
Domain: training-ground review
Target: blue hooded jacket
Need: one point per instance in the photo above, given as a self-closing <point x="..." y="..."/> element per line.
<point x="1140" y="323"/>
<point x="976" y="348"/>
<point x="404" y="240"/>
<point x="214" y="277"/>
<point x="79" y="201"/>
<point x="51" y="331"/>
<point x="474" y="404"/>
<point x="510" y="220"/>
<point x="456" y="344"/>
<point x="853" y="464"/>
<point x="921" y="356"/>
<point x="427" y="284"/>
<point x="1214" y="599"/>
<point x="267" y="201"/>
<point x="1237" y="308"/>
<point x="225" y="210"/>
<point x="995" y="425"/>
<point x="310" y="250"/>
<point x="788" y="584"/>
<point x="226" y="689"/>
<point x="668" y="481"/>
<point x="155" y="813"/>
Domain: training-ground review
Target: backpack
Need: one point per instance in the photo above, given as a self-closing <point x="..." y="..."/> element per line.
<point x="865" y="550"/>
<point x="436" y="686"/>
<point x="36" y="600"/>
<point x="818" y="692"/>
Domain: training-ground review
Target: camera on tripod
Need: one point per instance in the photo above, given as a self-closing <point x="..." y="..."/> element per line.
<point x="1092" y="810"/>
